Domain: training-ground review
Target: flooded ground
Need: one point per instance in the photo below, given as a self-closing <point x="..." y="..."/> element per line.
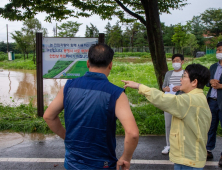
<point x="20" y="87"/>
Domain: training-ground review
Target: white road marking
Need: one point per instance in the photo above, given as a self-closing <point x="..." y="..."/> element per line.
<point x="133" y="161"/>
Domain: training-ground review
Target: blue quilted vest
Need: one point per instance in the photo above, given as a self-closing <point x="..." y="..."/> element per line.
<point x="89" y="104"/>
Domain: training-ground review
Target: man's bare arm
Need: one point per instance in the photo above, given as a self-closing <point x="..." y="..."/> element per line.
<point x="125" y="116"/>
<point x="51" y="115"/>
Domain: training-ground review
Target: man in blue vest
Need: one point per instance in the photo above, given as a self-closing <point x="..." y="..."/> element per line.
<point x="214" y="98"/>
<point x="92" y="104"/>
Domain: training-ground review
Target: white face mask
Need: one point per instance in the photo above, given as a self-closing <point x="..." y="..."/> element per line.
<point x="219" y="56"/>
<point x="176" y="66"/>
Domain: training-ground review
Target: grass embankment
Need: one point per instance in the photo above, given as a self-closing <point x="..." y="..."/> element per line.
<point x="57" y="68"/>
<point x="150" y="120"/>
<point x="24" y="119"/>
<point x="79" y="67"/>
<point x="18" y="63"/>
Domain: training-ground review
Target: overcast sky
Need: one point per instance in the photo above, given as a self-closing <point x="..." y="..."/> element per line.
<point x="195" y="7"/>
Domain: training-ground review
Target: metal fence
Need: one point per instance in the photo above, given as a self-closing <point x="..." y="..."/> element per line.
<point x="130" y="49"/>
<point x="187" y="51"/>
<point x="211" y="51"/>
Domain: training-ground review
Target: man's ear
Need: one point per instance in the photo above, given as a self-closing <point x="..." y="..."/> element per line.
<point x="88" y="64"/>
<point x="110" y="65"/>
<point x="194" y="83"/>
<point x="182" y="62"/>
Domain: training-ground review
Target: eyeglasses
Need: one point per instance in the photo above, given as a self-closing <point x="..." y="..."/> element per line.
<point x="183" y="76"/>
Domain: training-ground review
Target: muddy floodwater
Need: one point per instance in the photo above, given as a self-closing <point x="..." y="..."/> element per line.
<point x="20" y="87"/>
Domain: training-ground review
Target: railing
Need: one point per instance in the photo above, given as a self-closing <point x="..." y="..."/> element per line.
<point x="211" y="51"/>
<point x="187" y="51"/>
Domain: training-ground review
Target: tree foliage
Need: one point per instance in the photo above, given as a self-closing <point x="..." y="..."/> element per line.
<point x="30" y="28"/>
<point x="115" y="39"/>
<point x="11" y="47"/>
<point x="145" y="11"/>
<point x="59" y="10"/>
<point x="91" y="31"/>
<point x="180" y="37"/>
<point x="197" y="28"/>
<point x="168" y="32"/>
<point x="68" y="29"/>
<point x="212" y="19"/>
<point x="191" y="42"/>
<point x="22" y="41"/>
<point x="26" y="38"/>
<point x="139" y="35"/>
<point x="214" y="41"/>
<point x="107" y="32"/>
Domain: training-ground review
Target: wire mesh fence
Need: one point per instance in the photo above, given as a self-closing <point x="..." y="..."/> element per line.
<point x="186" y="51"/>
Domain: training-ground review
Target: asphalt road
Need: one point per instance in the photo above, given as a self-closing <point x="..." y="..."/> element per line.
<point x="47" y="152"/>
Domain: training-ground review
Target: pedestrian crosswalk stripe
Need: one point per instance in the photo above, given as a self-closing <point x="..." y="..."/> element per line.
<point x="133" y="161"/>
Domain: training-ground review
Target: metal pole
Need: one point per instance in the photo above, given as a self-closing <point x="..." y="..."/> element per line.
<point x="40" y="100"/>
<point x="101" y="38"/>
<point x="56" y="29"/>
<point x="7" y="36"/>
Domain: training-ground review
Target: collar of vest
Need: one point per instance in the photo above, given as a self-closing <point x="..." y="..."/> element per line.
<point x="95" y="75"/>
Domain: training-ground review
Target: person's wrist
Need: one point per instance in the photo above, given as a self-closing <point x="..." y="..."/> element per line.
<point x="138" y="86"/>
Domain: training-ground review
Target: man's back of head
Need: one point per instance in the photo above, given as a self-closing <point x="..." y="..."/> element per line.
<point x="100" y="55"/>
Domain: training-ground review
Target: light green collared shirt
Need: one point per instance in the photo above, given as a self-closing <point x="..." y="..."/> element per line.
<point x="191" y="119"/>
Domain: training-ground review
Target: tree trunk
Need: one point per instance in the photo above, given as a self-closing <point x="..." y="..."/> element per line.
<point x="34" y="55"/>
<point x="155" y="39"/>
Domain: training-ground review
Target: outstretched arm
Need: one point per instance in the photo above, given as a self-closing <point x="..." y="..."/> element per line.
<point x="176" y="105"/>
<point x="51" y="115"/>
<point x="125" y="116"/>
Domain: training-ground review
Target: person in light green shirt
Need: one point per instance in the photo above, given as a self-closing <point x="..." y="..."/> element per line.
<point x="191" y="116"/>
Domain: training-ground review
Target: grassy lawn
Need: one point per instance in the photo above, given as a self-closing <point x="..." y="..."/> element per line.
<point x="78" y="68"/>
<point x="150" y="120"/>
<point x="19" y="63"/>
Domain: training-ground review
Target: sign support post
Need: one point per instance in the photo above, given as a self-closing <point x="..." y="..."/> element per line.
<point x="50" y="46"/>
<point x="101" y="38"/>
<point x="40" y="99"/>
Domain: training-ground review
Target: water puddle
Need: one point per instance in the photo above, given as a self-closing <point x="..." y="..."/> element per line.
<point x="8" y="139"/>
<point x="20" y="87"/>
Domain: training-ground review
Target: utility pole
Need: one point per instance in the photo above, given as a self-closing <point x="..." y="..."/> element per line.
<point x="56" y="29"/>
<point x="7" y="36"/>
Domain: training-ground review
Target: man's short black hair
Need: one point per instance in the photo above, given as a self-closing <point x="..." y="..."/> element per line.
<point x="100" y="55"/>
<point x="219" y="44"/>
<point x="178" y="55"/>
<point x="199" y="72"/>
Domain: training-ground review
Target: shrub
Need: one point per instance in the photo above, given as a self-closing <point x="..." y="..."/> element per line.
<point x="3" y="56"/>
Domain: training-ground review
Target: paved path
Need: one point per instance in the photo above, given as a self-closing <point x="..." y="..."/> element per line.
<point x="61" y="73"/>
<point x="47" y="152"/>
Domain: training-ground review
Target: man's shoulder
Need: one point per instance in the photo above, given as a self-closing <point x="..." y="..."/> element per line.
<point x="170" y="71"/>
<point x="214" y="65"/>
<point x="114" y="89"/>
<point x="69" y="81"/>
<point x="114" y="86"/>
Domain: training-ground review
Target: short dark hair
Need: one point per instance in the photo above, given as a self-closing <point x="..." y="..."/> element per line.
<point x="178" y="55"/>
<point x="100" y="55"/>
<point x="219" y="44"/>
<point x="199" y="72"/>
